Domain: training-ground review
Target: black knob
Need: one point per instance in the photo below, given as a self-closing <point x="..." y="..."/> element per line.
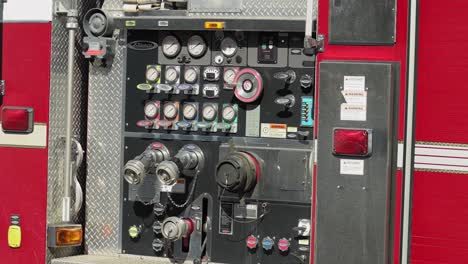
<point x="159" y="209"/>
<point x="306" y="81"/>
<point x="287" y="76"/>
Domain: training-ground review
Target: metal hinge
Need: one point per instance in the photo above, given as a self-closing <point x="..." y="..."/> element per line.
<point x="315" y="43"/>
<point x="2" y="88"/>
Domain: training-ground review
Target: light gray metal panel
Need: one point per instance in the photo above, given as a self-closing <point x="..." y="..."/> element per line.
<point x="366" y="22"/>
<point x="116" y="259"/>
<point x="105" y="113"/>
<point x="352" y="212"/>
<point x="250" y="9"/>
<point x="265" y="8"/>
<point x="56" y="146"/>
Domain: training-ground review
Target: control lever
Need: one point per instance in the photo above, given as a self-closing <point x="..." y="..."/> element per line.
<point x="306" y="81"/>
<point x="205" y="126"/>
<point x="225" y="127"/>
<point x="184" y="125"/>
<point x="164" y="87"/>
<point x="287" y="101"/>
<point x="289" y="76"/>
<point x="185" y="87"/>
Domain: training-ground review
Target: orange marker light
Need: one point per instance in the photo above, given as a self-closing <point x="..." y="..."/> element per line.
<point x="68" y="236"/>
<point x="214" y="25"/>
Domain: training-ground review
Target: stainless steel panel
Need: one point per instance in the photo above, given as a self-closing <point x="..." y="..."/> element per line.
<point x="57" y="122"/>
<point x="353" y="211"/>
<point x="115" y="259"/>
<point x="105" y="113"/>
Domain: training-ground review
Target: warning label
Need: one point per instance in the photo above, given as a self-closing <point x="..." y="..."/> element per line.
<point x="274" y="130"/>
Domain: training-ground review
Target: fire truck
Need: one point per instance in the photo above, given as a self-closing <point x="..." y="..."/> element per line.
<point x="240" y="131"/>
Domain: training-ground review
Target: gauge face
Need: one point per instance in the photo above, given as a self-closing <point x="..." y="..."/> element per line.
<point x="151" y="110"/>
<point x="170" y="111"/>
<point x="247" y="85"/>
<point x="190" y="111"/>
<point x="152" y="74"/>
<point x="171" y="75"/>
<point x="190" y="75"/>
<point x="229" y="75"/>
<point x="228" y="47"/>
<point x="171" y="46"/>
<point x="229" y="113"/>
<point x="209" y="112"/>
<point x="196" y="46"/>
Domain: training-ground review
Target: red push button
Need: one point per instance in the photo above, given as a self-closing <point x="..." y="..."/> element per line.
<point x="283" y="245"/>
<point x="17" y="119"/>
<point x="352" y="142"/>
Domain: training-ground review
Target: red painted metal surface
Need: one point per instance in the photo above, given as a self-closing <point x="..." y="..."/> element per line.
<point x="26" y="64"/>
<point x="442" y="72"/>
<point x="440" y="217"/>
<point x="397" y="53"/>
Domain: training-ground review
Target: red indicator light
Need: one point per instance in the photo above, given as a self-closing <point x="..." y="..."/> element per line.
<point x="17" y="120"/>
<point x="352" y="142"/>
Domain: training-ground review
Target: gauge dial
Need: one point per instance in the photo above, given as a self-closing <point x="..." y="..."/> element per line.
<point x="191" y="75"/>
<point x="171" y="46"/>
<point x="229" y="113"/>
<point x="190" y="112"/>
<point x="209" y="112"/>
<point x="170" y="111"/>
<point x="196" y="46"/>
<point x="151" y="110"/>
<point x="228" y="47"/>
<point x="171" y="75"/>
<point x="229" y="75"/>
<point x="152" y="74"/>
<point x="247" y="85"/>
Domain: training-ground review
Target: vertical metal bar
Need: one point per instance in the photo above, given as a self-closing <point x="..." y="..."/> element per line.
<point x="408" y="167"/>
<point x="66" y="202"/>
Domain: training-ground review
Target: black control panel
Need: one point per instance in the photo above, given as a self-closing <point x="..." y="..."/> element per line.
<point x="218" y="146"/>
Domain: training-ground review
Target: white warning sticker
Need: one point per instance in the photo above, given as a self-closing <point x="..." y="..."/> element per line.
<point x="354" y="83"/>
<point x="274" y="130"/>
<point x="353" y="112"/>
<point x="351" y="167"/>
<point x="355" y="96"/>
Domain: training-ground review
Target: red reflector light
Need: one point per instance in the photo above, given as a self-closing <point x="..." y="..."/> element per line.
<point x="352" y="142"/>
<point x="17" y="120"/>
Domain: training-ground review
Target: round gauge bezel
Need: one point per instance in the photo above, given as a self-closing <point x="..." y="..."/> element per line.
<point x="233" y="76"/>
<point x="164" y="48"/>
<point x="151" y="69"/>
<point x="235" y="47"/>
<point x="187" y="106"/>
<point x="234" y="113"/>
<point x="190" y="70"/>
<point x="205" y="108"/>
<point x="166" y="106"/>
<point x="151" y="104"/>
<point x="204" y="46"/>
<point x="166" y="74"/>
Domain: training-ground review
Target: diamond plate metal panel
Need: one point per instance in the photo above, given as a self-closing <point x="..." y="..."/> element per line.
<point x="57" y="108"/>
<point x="105" y="113"/>
<point x="250" y="8"/>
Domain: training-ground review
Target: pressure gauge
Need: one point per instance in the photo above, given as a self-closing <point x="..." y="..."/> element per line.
<point x="196" y="46"/>
<point x="151" y="110"/>
<point x="171" y="75"/>
<point x="171" y="46"/>
<point x="170" y="111"/>
<point x="228" y="47"/>
<point x="229" y="75"/>
<point x="209" y="112"/>
<point x="191" y="75"/>
<point x="229" y="113"/>
<point x="190" y="111"/>
<point x="152" y="74"/>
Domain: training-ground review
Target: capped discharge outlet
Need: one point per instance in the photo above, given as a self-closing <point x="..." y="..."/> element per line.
<point x="137" y="168"/>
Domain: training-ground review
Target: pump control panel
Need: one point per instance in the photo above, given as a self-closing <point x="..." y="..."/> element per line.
<point x="218" y="146"/>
